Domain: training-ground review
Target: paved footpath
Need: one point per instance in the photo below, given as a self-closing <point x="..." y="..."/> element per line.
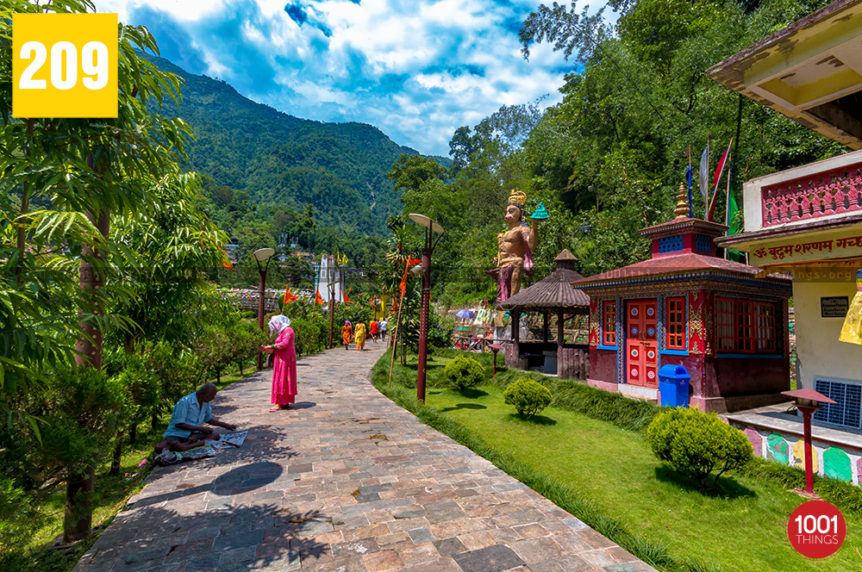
<point x="347" y="481"/>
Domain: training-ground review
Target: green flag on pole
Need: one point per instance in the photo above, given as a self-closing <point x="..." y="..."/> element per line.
<point x="732" y="209"/>
<point x="733" y="225"/>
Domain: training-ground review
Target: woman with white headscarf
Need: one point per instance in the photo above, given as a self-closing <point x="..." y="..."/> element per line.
<point x="284" y="363"/>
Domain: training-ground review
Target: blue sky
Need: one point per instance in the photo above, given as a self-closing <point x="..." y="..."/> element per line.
<point x="416" y="69"/>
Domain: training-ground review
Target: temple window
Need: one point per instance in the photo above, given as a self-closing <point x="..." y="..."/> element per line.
<point x="609" y="324"/>
<point x="745" y="326"/>
<point x="670" y="243"/>
<point x="675" y="323"/>
<point x="767" y="342"/>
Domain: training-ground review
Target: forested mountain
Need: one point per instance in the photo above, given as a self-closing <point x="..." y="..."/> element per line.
<point x="261" y="160"/>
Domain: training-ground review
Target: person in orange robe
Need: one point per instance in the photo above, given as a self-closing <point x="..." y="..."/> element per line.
<point x="346" y="334"/>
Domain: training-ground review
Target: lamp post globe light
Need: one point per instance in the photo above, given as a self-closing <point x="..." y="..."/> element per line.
<point x="430" y="227"/>
<point x="262" y="256"/>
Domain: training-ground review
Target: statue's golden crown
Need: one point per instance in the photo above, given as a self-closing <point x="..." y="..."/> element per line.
<point x="517" y="198"/>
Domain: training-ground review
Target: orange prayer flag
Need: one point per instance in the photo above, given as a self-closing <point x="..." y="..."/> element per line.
<point x="288" y="295"/>
<point x="317" y="297"/>
<point x="225" y="261"/>
<point x="346" y="299"/>
<point x="403" y="285"/>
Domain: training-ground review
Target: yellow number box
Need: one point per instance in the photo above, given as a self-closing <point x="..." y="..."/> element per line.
<point x="64" y="65"/>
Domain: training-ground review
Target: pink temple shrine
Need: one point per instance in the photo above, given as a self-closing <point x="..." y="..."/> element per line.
<point x="685" y="305"/>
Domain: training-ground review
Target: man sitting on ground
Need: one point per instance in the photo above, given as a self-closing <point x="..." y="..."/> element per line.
<point x="186" y="430"/>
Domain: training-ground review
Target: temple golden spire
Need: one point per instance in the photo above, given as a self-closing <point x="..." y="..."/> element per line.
<point x="681" y="210"/>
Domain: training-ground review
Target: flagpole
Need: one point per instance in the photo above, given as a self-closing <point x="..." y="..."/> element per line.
<point x="403" y="289"/>
<point x="719" y="171"/>
<point x="394" y="339"/>
<point x="703" y="178"/>
<point x="706" y="202"/>
<point x="688" y="181"/>
<point x="727" y="203"/>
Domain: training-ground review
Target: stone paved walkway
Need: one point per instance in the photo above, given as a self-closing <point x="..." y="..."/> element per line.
<point x="347" y="481"/>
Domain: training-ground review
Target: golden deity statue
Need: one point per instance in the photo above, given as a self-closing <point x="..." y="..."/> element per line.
<point x="515" y="246"/>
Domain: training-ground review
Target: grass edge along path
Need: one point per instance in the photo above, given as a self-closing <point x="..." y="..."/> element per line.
<point x="631" y="416"/>
<point x="559" y="493"/>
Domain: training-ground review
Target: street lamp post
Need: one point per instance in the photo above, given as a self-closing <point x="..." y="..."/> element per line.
<point x="262" y="255"/>
<point x="495" y="348"/>
<point x="808" y="401"/>
<point x="430" y="226"/>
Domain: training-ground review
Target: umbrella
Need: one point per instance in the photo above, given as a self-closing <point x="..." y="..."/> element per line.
<point x="465" y="314"/>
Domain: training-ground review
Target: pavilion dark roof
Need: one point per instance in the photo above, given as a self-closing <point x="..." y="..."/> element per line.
<point x="554" y="292"/>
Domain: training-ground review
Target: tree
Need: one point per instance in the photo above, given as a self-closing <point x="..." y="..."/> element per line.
<point x="168" y="243"/>
<point x="89" y="169"/>
<point x="412" y="171"/>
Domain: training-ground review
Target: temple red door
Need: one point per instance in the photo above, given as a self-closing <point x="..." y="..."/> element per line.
<point x="642" y="343"/>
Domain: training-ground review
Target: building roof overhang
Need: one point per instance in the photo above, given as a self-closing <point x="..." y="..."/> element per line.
<point x="810" y="71"/>
<point x="681" y="267"/>
<point x="747" y="240"/>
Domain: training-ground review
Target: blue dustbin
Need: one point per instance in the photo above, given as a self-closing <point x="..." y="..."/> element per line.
<point x="673" y="385"/>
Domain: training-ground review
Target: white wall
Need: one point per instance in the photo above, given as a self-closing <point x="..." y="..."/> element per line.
<point x="818" y="350"/>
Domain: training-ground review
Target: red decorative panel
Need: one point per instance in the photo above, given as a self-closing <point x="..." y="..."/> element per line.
<point x="696" y="329"/>
<point x="814" y="196"/>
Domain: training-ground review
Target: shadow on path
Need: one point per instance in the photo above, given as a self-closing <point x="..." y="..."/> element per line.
<point x="236" y="538"/>
<point x="237" y="481"/>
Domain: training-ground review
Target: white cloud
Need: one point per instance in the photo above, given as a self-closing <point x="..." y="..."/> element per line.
<point x="181" y="10"/>
<point x="417" y="69"/>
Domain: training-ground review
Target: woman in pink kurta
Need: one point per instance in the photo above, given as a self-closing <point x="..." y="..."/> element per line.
<point x="284" y="363"/>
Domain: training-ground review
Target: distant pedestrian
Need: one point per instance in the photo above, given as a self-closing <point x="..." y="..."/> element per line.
<point x="359" y="336"/>
<point x="375" y="330"/>
<point x="284" y="363"/>
<point x="383" y="325"/>
<point x="346" y="334"/>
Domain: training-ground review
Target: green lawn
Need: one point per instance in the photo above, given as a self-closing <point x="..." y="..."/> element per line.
<point x="744" y="528"/>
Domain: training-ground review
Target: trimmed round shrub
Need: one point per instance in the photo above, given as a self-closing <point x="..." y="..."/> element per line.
<point x="529" y="397"/>
<point x="464" y="372"/>
<point x="698" y="444"/>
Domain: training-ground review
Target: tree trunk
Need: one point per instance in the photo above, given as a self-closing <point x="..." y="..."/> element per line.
<point x="116" y="462"/>
<point x="133" y="433"/>
<point x="331" y="312"/>
<point x="78" y="519"/>
<point x="89" y="346"/>
<point x="25" y="207"/>
<point x="155" y="420"/>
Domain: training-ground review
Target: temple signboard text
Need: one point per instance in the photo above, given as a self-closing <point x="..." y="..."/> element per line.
<point x="807" y="250"/>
